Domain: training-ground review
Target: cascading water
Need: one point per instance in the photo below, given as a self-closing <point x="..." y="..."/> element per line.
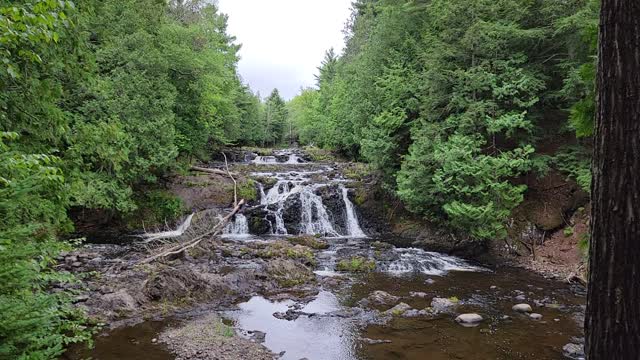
<point x="239" y="227"/>
<point x="352" y="221"/>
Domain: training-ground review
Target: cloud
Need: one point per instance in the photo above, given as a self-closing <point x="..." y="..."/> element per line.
<point x="283" y="41"/>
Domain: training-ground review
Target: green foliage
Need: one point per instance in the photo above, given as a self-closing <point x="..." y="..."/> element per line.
<point x="275" y="119"/>
<point x="568" y="231"/>
<point x="34" y="322"/>
<point x="247" y="190"/>
<point x="356" y="264"/>
<point x="576" y="162"/>
<point x="447" y="99"/>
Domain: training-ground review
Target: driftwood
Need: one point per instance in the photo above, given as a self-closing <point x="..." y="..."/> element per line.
<point x="214" y="171"/>
<point x="216" y="230"/>
<point x="235" y="183"/>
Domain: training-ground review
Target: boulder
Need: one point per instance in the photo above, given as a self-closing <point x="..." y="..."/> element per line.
<point x="522" y="308"/>
<point x="399" y="309"/>
<point x="442" y="305"/>
<point x="470" y="319"/>
<point x="382" y="298"/>
<point x="258" y="221"/>
<point x="573" y="351"/>
<point x="535" y="316"/>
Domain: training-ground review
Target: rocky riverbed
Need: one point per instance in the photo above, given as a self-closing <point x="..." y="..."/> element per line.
<point x="303" y="273"/>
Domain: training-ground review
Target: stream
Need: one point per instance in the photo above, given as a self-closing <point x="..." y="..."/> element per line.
<point x="361" y="315"/>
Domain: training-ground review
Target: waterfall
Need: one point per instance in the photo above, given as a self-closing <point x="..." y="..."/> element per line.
<point x="318" y="224"/>
<point x="148" y="237"/>
<point x="264" y="160"/>
<point x="353" y="227"/>
<point x="238" y="227"/>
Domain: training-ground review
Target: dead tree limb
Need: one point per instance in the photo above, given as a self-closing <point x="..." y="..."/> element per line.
<point x="213" y="171"/>
<point x="235" y="183"/>
<point x="196" y="240"/>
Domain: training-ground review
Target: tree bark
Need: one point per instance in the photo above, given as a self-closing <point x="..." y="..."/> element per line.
<point x="613" y="306"/>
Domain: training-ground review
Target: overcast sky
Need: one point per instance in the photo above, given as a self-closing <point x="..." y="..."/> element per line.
<point x="283" y="41"/>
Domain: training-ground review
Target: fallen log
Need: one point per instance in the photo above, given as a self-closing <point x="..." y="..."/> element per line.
<point x="213" y="171"/>
<point x="216" y="230"/>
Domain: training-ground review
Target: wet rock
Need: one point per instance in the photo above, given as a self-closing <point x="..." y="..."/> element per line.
<point x="417" y="294"/>
<point x="289" y="315"/>
<point x="469" y="319"/>
<point x="399" y="309"/>
<point x="522" y="308"/>
<point x="379" y="297"/>
<point x="257" y="336"/>
<point x="573" y="351"/>
<point x="292" y="214"/>
<point x="520" y="298"/>
<point x="258" y="221"/>
<point x="493" y="287"/>
<point x="442" y="305"/>
<point x="429" y="281"/>
<point x="415" y="313"/>
<point x="535" y="316"/>
<point x="334" y="203"/>
<point x="289" y="273"/>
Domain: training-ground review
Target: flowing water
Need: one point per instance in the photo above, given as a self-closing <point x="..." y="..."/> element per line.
<point x="335" y="325"/>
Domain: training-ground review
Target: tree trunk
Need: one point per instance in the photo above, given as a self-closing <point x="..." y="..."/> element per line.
<point x="613" y="308"/>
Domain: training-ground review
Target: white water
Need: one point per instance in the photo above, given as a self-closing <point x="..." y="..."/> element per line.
<point x="414" y="260"/>
<point x="239" y="227"/>
<point x="312" y="205"/>
<point x="264" y="160"/>
<point x="148" y="237"/>
<point x="353" y="227"/>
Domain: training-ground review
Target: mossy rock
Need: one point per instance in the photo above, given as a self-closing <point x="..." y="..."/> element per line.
<point x="356" y="264"/>
<point x="309" y="241"/>
<point x="289" y="273"/>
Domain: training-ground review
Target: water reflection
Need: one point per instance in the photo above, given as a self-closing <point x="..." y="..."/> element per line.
<point x="318" y="336"/>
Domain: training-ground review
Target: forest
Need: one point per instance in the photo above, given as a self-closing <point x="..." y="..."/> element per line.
<point x="454" y="100"/>
<point x="99" y="100"/>
<point x="451" y="103"/>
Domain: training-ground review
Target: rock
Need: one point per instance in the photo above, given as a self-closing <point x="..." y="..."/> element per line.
<point x="258" y="221"/>
<point x="522" y="308"/>
<point x="76" y="264"/>
<point x="520" y="298"/>
<point x="154" y="340"/>
<point x="573" y="351"/>
<point x="173" y="284"/>
<point x="398" y="309"/>
<point x="493" y="287"/>
<point x="417" y="294"/>
<point x="535" y="316"/>
<point x="257" y="336"/>
<point x="415" y="313"/>
<point x="442" y="305"/>
<point x="334" y="203"/>
<point x="429" y="281"/>
<point x="289" y="315"/>
<point x="81" y="298"/>
<point x="471" y="319"/>
<point x="118" y="302"/>
<point x="288" y="273"/>
<point x="382" y="298"/>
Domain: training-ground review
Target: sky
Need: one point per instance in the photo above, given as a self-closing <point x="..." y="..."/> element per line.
<point x="283" y="41"/>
